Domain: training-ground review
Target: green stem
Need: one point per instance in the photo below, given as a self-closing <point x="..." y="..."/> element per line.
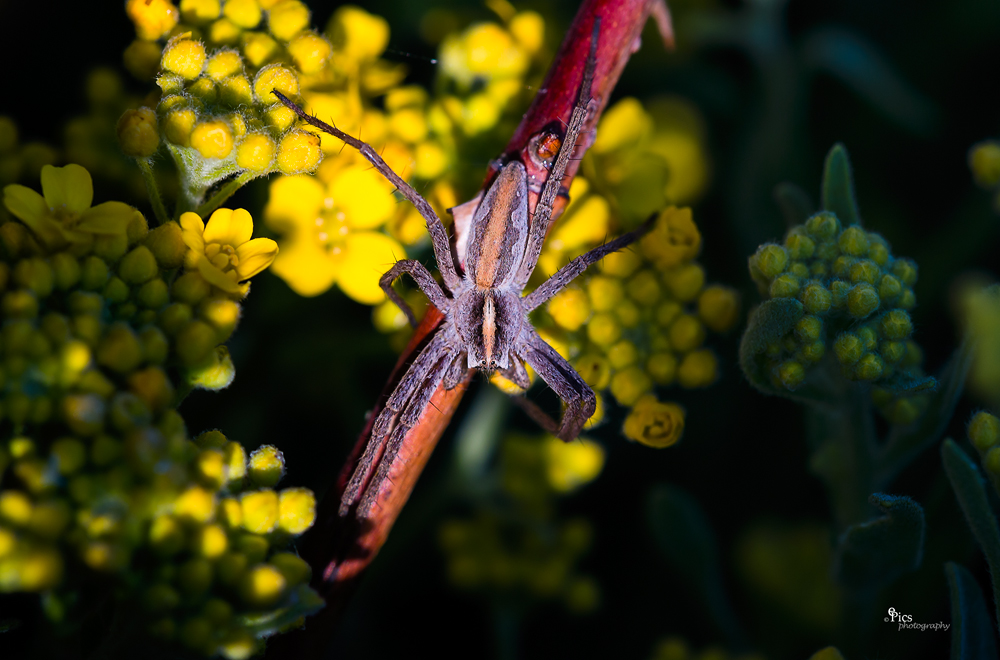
<point x="146" y="167"/>
<point x="225" y="193"/>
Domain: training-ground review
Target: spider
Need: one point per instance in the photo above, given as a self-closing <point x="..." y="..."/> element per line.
<point x="486" y="323"/>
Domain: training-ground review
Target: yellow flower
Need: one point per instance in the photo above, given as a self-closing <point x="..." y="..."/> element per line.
<point x="222" y="251"/>
<point x="329" y="233"/>
<point x="62" y="214"/>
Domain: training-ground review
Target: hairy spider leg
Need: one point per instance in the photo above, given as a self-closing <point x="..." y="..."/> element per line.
<point x="567" y="383"/>
<point x="424" y="280"/>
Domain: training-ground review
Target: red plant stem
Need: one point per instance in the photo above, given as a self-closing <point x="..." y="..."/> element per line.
<point x="340" y="548"/>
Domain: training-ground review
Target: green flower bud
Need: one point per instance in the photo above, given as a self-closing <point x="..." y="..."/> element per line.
<point x="907" y="299"/>
<point x="166" y="535"/>
<point x="799" y="270"/>
<point x="196" y="632"/>
<point x="94" y="273"/>
<point x="190" y="288"/>
<point x="195" y="343"/>
<point x="217" y="373"/>
<point x="137" y="133"/>
<point x="622" y="354"/>
<point x="119" y="349"/>
<point x="267" y="466"/>
<point x="111" y="248"/>
<point x="628" y="314"/>
<point x="785" y="286"/>
<point x="869" y="367"/>
<point x="84" y="413"/>
<point x="809" y="329"/>
<point x="4" y="274"/>
<point x="137" y="227"/>
<point x="686" y="333"/>
<point x="159" y="598"/>
<point x="82" y="302"/>
<point x="854" y="242"/>
<point x="820" y="269"/>
<point x="104" y="449"/>
<point x="70" y="455"/>
<point x="17" y="335"/>
<point x="662" y="368"/>
<point x="868" y="336"/>
<point x="667" y="313"/>
<point x="35" y="274"/>
<point x="211" y="439"/>
<point x="154" y="294"/>
<point x="153" y="387"/>
<point x="770" y="261"/>
<point x="66" y="269"/>
<point x="848" y="348"/>
<point x="879" y="251"/>
<point x="991" y="461"/>
<point x="13" y="237"/>
<point x="827" y="251"/>
<point x="823" y="226"/>
<point x="87" y="328"/>
<point x="895" y="325"/>
<point x="816" y="299"/>
<point x="263" y="586"/>
<point x="56" y="328"/>
<point x="138" y="266"/>
<point x="222" y="313"/>
<point x="21" y="304"/>
<point x="862" y="300"/>
<point x="799" y="245"/>
<point x="175" y="317"/>
<point x="905" y="270"/>
<point x="813" y="352"/>
<point x="790" y="374"/>
<point x="231" y="567"/>
<point x="94" y="382"/>
<point x="294" y="568"/>
<point x="644" y="287"/>
<point x="167" y="246"/>
<point x="841" y="266"/>
<point x="984" y="430"/>
<point x="865" y="271"/>
<point x="888" y="288"/>
<point x="155" y="345"/>
<point x="892" y="351"/>
<point x="218" y="611"/>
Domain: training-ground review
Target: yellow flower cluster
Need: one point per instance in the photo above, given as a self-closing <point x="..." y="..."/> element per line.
<point x="525" y="552"/>
<point x="101" y="480"/>
<point x="640" y="318"/>
<point x="984" y="161"/>
<point x="345" y="226"/>
<point x="676" y="648"/>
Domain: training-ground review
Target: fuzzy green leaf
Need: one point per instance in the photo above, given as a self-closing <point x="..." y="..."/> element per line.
<point x="970" y="488"/>
<point x="794" y="203"/>
<point x="874" y="553"/>
<point x="971" y="631"/>
<point x="303" y="601"/>
<point x="838" y="187"/>
<point x="685" y="537"/>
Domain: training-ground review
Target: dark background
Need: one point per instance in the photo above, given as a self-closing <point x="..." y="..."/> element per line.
<point x="309" y="368"/>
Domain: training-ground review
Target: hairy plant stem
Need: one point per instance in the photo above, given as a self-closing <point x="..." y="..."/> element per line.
<point x="225" y="193"/>
<point x="146" y="167"/>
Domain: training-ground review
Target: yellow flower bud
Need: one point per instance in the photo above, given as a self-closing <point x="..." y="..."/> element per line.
<point x="212" y="139"/>
<point x="698" y="369"/>
<point x="166" y="535"/>
<point x="236" y="460"/>
<point x="654" y="424"/>
<point x="686" y="333"/>
<point x="984" y="430"/>
<point x="184" y="57"/>
<point x="275" y="77"/>
<point x="177" y="126"/>
<point x="299" y="152"/>
<point x="256" y="152"/>
<point x="246" y="14"/>
<point x="853" y="241"/>
<point x="360" y="36"/>
<point x="604" y="329"/>
<point x="297" y="510"/>
<point x="263" y="586"/>
<point x="137" y="133"/>
<point x="153" y="18"/>
<point x="310" y="52"/>
<point x="267" y="466"/>
<point x="260" y="511"/>
<point x="166" y="244"/>
<point x="142" y="59"/>
<point x="719" y="307"/>
<point x="685" y="282"/>
<point x="569" y="308"/>
<point x="15" y="507"/>
<point x="196" y="503"/>
<point x="629" y="385"/>
<point x="622" y="354"/>
<point x="287" y="19"/>
<point x="621" y="264"/>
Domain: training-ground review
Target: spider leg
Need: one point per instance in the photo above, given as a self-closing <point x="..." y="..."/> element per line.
<point x="456" y="372"/>
<point x="567" y="273"/>
<point x="560" y="376"/>
<point x="543" y="209"/>
<point x="436" y="228"/>
<point x="389" y="416"/>
<point x="424" y="280"/>
<point x="407" y="420"/>
<point x="517" y="374"/>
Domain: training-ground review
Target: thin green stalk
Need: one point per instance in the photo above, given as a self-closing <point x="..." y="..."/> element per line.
<point x="146" y="167"/>
<point x="225" y="193"/>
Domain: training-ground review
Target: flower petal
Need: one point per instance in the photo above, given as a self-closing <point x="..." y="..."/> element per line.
<point x="69" y="186"/>
<point x="367" y="255"/>
<point x="24" y="202"/>
<point x="216" y="277"/>
<point x="294" y="200"/>
<point x="192" y="232"/>
<point x="255" y="256"/>
<point x="229" y="227"/>
<point x="109" y="219"/>
<point x="305" y="266"/>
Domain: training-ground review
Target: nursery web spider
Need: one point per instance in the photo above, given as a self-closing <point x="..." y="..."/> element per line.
<point x="486" y="324"/>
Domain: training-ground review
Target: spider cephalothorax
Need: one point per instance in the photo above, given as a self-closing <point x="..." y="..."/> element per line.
<point x="486" y="323"/>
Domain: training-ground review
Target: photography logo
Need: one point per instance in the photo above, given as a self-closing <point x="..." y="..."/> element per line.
<point x="905" y="622"/>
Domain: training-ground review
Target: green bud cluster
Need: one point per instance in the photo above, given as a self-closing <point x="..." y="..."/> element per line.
<point x="856" y="299"/>
<point x="99" y="479"/>
<point x="524" y="553"/>
<point x="984" y="434"/>
<point x="641" y="318"/>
